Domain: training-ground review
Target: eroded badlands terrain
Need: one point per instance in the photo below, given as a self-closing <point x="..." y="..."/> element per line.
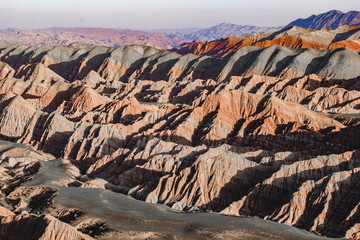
<point x="50" y="199"/>
<point x="290" y="36"/>
<point x="267" y="132"/>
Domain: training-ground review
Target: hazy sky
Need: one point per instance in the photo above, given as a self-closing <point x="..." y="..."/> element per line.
<point x="154" y="14"/>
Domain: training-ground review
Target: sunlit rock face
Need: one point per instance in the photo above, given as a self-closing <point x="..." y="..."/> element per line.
<point x="266" y="131"/>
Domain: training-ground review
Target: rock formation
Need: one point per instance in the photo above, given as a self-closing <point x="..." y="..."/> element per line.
<point x="30" y="226"/>
<point x="268" y="131"/>
<point x="22" y="207"/>
<point x="291" y="36"/>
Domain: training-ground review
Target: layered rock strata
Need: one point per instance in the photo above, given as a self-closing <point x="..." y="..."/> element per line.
<point x="267" y="132"/>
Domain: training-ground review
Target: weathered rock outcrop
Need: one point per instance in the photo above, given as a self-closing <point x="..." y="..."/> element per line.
<point x="6" y="71"/>
<point x="291" y="37"/>
<point x="309" y="193"/>
<point x="147" y="63"/>
<point x="30" y="226"/>
<point x="256" y="133"/>
<point x="19" y="204"/>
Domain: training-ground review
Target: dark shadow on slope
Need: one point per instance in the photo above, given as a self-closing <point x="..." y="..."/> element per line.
<point x="68" y="70"/>
<point x="267" y="199"/>
<point x="165" y="117"/>
<point x="162" y="71"/>
<point x="204" y="126"/>
<point x="235" y="131"/>
<point x="192" y="95"/>
<point x="174" y="121"/>
<point x="59" y="98"/>
<point x="238" y="187"/>
<point x="93" y="63"/>
<point x="281" y="66"/>
<point x="343" y="202"/>
<point x="342" y="104"/>
<point x="242" y="64"/>
<point x="55" y="144"/>
<point x="157" y="72"/>
<point x="208" y="68"/>
<point x="147" y="179"/>
<point x="344" y="35"/>
<point x="188" y="70"/>
<point x="30" y="228"/>
<point x="17" y="60"/>
<point x="135" y="66"/>
<point x="348" y="137"/>
<point x="318" y="63"/>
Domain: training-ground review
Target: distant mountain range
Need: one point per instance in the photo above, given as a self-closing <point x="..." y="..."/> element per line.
<point x="96" y="36"/>
<point x="291" y="37"/>
<point x="164" y="38"/>
<point x="329" y="20"/>
<point x="176" y="30"/>
<point x="224" y="30"/>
